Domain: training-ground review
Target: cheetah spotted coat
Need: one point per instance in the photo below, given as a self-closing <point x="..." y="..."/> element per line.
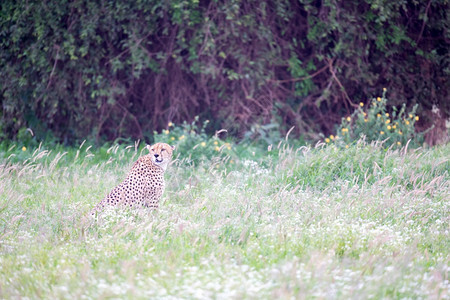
<point x="144" y="185"/>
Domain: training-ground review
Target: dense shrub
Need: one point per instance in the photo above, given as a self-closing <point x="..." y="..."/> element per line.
<point x="192" y="140"/>
<point x="374" y="122"/>
<point x="116" y="69"/>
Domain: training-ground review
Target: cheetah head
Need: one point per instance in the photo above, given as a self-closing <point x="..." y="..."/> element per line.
<point x="161" y="154"/>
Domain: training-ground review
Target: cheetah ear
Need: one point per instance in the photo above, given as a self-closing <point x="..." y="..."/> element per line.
<point x="149" y="147"/>
<point x="173" y="147"/>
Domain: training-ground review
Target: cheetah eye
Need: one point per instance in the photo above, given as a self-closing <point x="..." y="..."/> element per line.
<point x="163" y="149"/>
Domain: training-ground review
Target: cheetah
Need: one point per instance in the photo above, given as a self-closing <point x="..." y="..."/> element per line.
<point x="144" y="185"/>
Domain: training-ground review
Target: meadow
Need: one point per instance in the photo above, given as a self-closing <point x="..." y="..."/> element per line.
<point x="236" y="222"/>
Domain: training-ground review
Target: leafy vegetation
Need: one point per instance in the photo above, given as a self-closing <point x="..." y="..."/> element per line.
<point x="242" y="222"/>
<point x="110" y="70"/>
<point x="375" y="123"/>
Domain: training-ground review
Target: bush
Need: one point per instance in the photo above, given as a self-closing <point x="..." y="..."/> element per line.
<point x="122" y="69"/>
<point x="378" y="122"/>
<point x="192" y="140"/>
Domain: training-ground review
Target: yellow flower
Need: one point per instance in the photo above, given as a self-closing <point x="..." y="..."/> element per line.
<point x="389" y="127"/>
<point x="327" y="140"/>
<point x="216" y="143"/>
<point x="381" y="132"/>
<point x="181" y="137"/>
<point x="398" y="143"/>
<point x="170" y="124"/>
<point x="400" y="132"/>
<point x="203" y="144"/>
<point x="166" y="131"/>
<point x="410" y="116"/>
<point x="386" y="114"/>
<point x="378" y="115"/>
<point x="344" y="130"/>
<point x="416" y="118"/>
<point x="346" y="146"/>
<point x="378" y="99"/>
<point x="172" y="139"/>
<point x="395" y="126"/>
<point x="216" y="148"/>
<point x="407" y="122"/>
<point x="231" y="161"/>
<point x="364" y="114"/>
<point x="384" y="89"/>
<point x="332" y="137"/>
<point x="365" y="120"/>
<point x="388" y="121"/>
<point x="24" y="148"/>
<point x="361" y="104"/>
<point x="349" y="119"/>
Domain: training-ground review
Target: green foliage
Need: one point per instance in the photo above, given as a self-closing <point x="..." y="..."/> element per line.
<point x="303" y="87"/>
<point x="265" y="135"/>
<point x="192" y="138"/>
<point x="373" y="122"/>
<point x="123" y="69"/>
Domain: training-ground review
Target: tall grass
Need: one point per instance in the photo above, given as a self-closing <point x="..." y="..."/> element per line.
<point x="308" y="222"/>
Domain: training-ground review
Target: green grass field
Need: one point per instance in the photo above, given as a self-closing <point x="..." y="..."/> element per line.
<point x="320" y="222"/>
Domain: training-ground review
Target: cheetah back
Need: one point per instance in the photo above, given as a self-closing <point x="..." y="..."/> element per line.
<point x="143" y="187"/>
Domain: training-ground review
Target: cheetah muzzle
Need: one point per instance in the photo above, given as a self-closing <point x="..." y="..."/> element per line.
<point x="144" y="185"/>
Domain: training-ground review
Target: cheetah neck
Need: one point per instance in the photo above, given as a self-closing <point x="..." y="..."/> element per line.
<point x="148" y="161"/>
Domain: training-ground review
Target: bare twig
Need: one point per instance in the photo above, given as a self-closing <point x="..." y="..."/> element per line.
<point x="136" y="122"/>
<point x="333" y="73"/>
<point x="301" y="78"/>
<point x="54" y="66"/>
<point x="424" y="21"/>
